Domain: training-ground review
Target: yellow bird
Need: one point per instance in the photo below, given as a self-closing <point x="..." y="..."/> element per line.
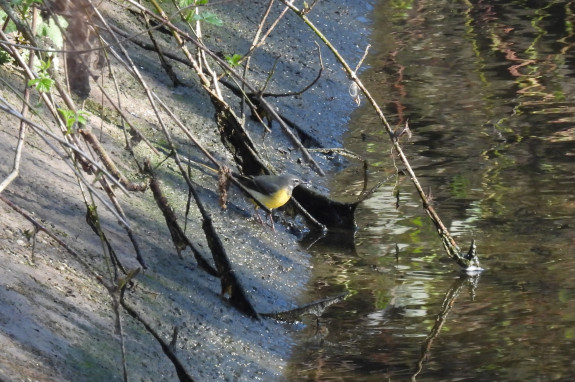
<point x="273" y="191"/>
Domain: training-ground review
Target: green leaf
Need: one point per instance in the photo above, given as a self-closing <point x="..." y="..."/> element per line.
<point x="208" y="17"/>
<point x="81" y="117"/>
<point x="42" y="84"/>
<point x="44" y="66"/>
<point x="71" y="117"/>
<point x="234" y="60"/>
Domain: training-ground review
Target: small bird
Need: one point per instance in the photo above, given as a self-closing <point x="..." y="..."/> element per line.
<point x="272" y="191"/>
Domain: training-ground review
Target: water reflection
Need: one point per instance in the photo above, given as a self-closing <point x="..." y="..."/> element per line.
<point x="488" y="88"/>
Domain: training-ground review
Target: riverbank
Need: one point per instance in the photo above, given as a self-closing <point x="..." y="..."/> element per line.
<point x="57" y="318"/>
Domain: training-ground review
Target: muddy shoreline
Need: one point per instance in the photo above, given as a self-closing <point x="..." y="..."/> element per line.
<point x="57" y="321"/>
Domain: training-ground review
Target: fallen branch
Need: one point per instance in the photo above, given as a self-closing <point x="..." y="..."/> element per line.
<point x="466" y="261"/>
<point x="316" y="309"/>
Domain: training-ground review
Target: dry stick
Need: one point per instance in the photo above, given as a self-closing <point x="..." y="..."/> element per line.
<point x="120" y="332"/>
<point x="448" y="242"/>
<point x="165" y="64"/>
<point x="179" y="238"/>
<point x="22" y="134"/>
<point x="307" y="87"/>
<point x="180" y="36"/>
<point x="245" y="98"/>
<point x="93" y="141"/>
<point x="249" y="57"/>
<point x="202" y="60"/>
<point x="197" y="32"/>
<point x="270" y="29"/>
<point x="129" y="231"/>
<point x="16" y="166"/>
<point x="119" y="110"/>
<point x="118" y="106"/>
<point x="93" y="221"/>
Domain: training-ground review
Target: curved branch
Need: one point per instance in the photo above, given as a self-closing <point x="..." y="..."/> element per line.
<point x="448" y="242"/>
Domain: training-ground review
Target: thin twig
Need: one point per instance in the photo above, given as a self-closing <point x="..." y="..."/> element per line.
<point x="248" y="58"/>
<point x="268" y="32"/>
<point x="21" y="136"/>
<point x="23" y="126"/>
<point x="362" y="58"/>
<point x="307" y="87"/>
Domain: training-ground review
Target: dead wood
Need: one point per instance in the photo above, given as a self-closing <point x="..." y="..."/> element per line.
<point x="316" y="309"/>
<point x="466" y="261"/>
<point x="179" y="238"/>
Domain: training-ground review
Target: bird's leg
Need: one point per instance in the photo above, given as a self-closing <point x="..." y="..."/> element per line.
<point x="259" y="217"/>
<point x="261" y="220"/>
<point x="272" y="221"/>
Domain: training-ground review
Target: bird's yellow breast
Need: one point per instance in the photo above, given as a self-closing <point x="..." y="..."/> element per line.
<point x="275" y="200"/>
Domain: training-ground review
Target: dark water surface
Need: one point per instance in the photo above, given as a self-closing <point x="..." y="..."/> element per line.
<point x="488" y="88"/>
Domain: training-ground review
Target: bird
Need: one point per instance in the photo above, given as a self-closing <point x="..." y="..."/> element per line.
<point x="272" y="191"/>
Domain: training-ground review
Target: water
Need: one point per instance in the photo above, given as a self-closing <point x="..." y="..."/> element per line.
<point x="488" y="89"/>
